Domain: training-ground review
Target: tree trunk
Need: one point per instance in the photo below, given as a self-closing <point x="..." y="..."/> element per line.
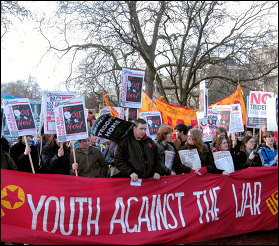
<point x="149" y="81"/>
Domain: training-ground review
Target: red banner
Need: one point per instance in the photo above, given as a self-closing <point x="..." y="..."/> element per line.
<point x="64" y="209"/>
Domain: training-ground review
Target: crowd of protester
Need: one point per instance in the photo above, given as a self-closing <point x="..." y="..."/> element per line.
<point x="137" y="155"/>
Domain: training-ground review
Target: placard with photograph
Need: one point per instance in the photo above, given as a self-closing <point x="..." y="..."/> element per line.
<point x="19" y="117"/>
<point x="49" y="98"/>
<point x="131" y="88"/>
<point x="153" y="120"/>
<point x="70" y="119"/>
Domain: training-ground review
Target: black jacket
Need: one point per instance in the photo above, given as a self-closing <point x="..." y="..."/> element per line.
<point x="177" y="166"/>
<point x="140" y="157"/>
<point x="22" y="161"/>
<point x="242" y="161"/>
<point x="51" y="163"/>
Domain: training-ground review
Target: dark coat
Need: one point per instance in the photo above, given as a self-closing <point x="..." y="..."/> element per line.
<point x="137" y="156"/>
<point x="177" y="166"/>
<point x="22" y="161"/>
<point x="242" y="161"/>
<point x="51" y="163"/>
<point x="7" y="162"/>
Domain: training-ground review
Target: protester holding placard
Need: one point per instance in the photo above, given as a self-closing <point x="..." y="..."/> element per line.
<point x="55" y="157"/>
<point x="194" y="141"/>
<point x="19" y="153"/>
<point x="269" y="152"/>
<point x="222" y="145"/>
<point x="167" y="156"/>
<point x="136" y="154"/>
<point x="89" y="161"/>
<point x="247" y="156"/>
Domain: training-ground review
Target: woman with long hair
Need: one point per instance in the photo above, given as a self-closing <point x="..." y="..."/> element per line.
<point x="55" y="157"/>
<point x="194" y="141"/>
<point x="247" y="156"/>
<point x="169" y="165"/>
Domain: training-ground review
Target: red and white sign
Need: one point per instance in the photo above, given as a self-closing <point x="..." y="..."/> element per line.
<point x="208" y="124"/>
<point x="177" y="209"/>
<point x="70" y="119"/>
<point x="49" y="98"/>
<point x="256" y="113"/>
<point x="19" y="117"/>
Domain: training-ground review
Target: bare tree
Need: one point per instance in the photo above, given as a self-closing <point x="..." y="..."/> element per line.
<point x="176" y="40"/>
<point x="9" y="10"/>
<point x="21" y="88"/>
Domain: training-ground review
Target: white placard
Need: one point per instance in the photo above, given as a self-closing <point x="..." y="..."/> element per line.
<point x="49" y="98"/>
<point x="105" y="110"/>
<point x="257" y="107"/>
<point x="223" y="161"/>
<point x="190" y="158"/>
<point x="272" y="112"/>
<point x="70" y="119"/>
<point x="236" y="123"/>
<point x="203" y="100"/>
<point x="224" y="116"/>
<point x="136" y="183"/>
<point x="169" y="157"/>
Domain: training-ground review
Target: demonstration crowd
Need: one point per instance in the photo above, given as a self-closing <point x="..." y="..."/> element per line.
<point x="137" y="155"/>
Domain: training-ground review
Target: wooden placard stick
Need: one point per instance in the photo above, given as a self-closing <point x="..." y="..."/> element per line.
<point x="74" y="154"/>
<point x="41" y="147"/>
<point x="30" y="158"/>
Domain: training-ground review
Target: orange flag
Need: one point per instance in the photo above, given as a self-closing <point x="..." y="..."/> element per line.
<point x="234" y="98"/>
<point x="112" y="110"/>
<point x="147" y="104"/>
<point x="173" y="115"/>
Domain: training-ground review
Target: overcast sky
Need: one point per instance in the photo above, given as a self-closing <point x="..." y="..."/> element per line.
<point x="23" y="47"/>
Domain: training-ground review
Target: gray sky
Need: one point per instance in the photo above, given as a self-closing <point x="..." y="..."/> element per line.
<point x="23" y="47"/>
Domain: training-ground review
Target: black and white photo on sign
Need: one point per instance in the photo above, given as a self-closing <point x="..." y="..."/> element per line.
<point x="70" y="119"/>
<point x="190" y="158"/>
<point x="153" y="120"/>
<point x="131" y="88"/>
<point x="19" y="117"/>
<point x="48" y="100"/>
